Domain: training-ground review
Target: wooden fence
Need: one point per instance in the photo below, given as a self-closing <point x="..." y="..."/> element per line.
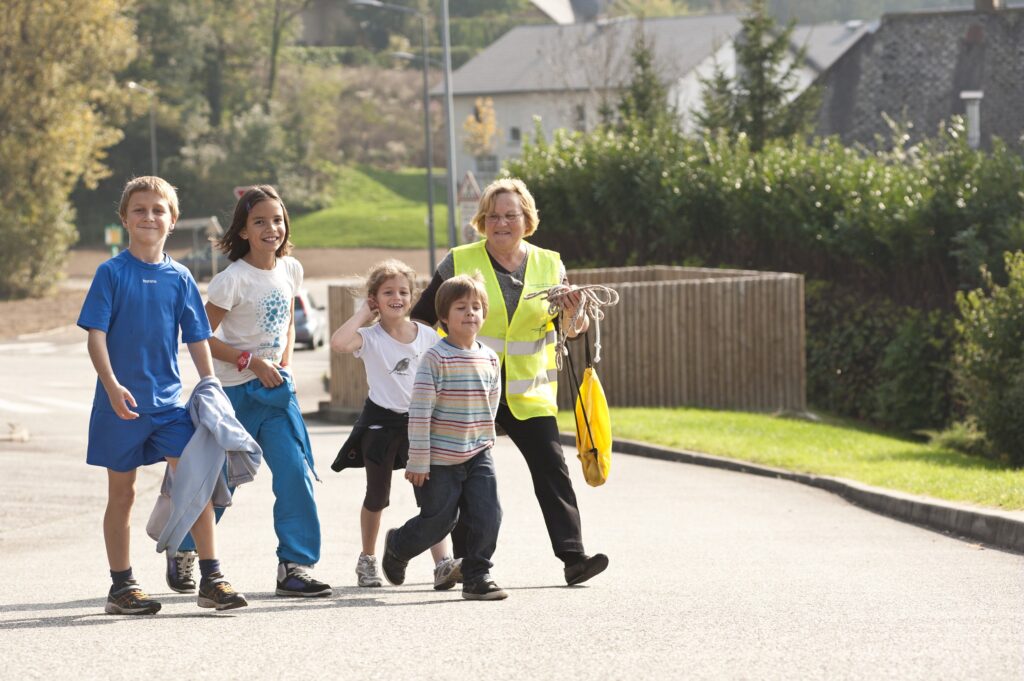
<point x="680" y="336"/>
<point x="685" y="336"/>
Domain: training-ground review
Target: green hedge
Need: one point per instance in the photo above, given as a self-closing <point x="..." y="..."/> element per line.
<point x="990" y="359"/>
<point x="911" y="224"/>
<point x="894" y="233"/>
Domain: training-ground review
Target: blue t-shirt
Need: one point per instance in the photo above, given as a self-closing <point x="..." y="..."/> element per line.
<point x="141" y="306"/>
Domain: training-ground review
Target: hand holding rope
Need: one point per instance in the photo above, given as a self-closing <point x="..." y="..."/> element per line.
<point x="593" y="297"/>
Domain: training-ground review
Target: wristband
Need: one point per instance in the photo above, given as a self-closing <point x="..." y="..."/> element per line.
<point x="243" y="361"/>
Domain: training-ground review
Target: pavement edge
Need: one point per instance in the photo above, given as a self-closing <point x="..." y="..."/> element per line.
<point x="994" y="528"/>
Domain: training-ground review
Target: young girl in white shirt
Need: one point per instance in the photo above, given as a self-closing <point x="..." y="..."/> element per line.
<point x="251" y="306"/>
<point x="390" y="350"/>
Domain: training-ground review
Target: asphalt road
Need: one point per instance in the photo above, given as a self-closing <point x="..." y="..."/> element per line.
<point x="714" y="575"/>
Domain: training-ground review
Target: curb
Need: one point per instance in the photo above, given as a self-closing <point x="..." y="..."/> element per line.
<point x="998" y="529"/>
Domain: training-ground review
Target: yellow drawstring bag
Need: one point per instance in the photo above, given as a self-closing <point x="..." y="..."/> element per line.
<point x="593" y="424"/>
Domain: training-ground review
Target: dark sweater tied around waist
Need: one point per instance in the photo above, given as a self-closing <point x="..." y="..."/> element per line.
<point x="372" y="443"/>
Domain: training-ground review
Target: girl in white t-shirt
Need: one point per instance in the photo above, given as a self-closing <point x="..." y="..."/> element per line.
<point x="251" y="309"/>
<point x="390" y="351"/>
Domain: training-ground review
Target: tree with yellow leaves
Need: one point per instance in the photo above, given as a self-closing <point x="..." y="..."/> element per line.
<point x="481" y="128"/>
<point x="59" y="104"/>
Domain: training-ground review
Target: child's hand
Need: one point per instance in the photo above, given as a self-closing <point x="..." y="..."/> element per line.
<point x="417" y="479"/>
<point x="268" y="374"/>
<point x="370" y="310"/>
<point x="120" y="397"/>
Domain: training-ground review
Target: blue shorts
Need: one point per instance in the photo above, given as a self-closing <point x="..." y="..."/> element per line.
<point x="123" y="446"/>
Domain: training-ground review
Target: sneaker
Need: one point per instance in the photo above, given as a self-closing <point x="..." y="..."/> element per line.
<point x="216" y="592"/>
<point x="295" y="580"/>
<point x="393" y="566"/>
<point x="130" y="599"/>
<point x="366" y="570"/>
<point x="585" y="568"/>
<point x="179" y="571"/>
<point x="484" y="590"/>
<point x="447" y="573"/>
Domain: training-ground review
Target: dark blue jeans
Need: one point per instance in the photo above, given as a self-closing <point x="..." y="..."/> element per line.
<point x="471" y="485"/>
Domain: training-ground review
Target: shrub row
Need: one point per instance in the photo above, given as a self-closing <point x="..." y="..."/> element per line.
<point x="892" y="236"/>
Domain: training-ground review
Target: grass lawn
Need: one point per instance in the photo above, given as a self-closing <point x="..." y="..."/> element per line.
<point x="376" y="208"/>
<point x="838" y="450"/>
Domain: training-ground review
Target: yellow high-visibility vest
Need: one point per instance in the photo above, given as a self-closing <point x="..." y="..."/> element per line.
<point x="526" y="344"/>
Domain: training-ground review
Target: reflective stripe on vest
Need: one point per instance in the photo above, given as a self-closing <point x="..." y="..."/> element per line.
<point x="526" y="344"/>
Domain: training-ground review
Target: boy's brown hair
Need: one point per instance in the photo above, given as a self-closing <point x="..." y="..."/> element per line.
<point x="456" y="288"/>
<point x="149" y="183"/>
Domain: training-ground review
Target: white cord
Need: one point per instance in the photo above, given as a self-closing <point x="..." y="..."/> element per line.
<point x="593" y="297"/>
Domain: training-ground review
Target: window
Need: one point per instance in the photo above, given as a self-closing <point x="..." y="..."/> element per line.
<point x="487" y="164"/>
<point x="581" y="118"/>
<point x="515" y="136"/>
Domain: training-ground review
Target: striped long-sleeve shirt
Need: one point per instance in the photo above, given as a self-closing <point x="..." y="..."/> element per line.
<point x="454" y="402"/>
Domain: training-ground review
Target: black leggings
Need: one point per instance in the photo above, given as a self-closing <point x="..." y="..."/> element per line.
<point x="378" y="476"/>
<point x="537" y="441"/>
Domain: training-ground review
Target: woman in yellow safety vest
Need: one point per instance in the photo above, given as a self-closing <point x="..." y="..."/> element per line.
<point x="522" y="332"/>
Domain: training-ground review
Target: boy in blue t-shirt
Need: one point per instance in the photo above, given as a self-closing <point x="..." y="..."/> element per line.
<point x="135" y="307"/>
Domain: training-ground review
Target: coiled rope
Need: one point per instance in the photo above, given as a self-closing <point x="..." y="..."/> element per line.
<point x="594" y="297"/>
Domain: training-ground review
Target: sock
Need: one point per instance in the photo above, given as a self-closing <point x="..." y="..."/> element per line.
<point x="208" y="567"/>
<point x="119" y="578"/>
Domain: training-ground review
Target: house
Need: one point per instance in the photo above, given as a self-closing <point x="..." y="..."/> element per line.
<point x="565" y="74"/>
<point x="925" y="67"/>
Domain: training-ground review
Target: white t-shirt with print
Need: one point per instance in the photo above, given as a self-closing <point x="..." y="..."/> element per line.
<point x="259" y="304"/>
<point x="391" y="366"/>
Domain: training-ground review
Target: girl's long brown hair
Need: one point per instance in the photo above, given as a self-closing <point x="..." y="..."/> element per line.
<point x="232" y="244"/>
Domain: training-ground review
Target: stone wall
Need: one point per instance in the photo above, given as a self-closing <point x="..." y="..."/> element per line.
<point x="914" y="67"/>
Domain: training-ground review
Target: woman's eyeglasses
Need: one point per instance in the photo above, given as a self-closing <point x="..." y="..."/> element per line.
<point x="508" y="217"/>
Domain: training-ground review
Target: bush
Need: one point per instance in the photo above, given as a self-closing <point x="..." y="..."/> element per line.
<point x="990" y="358"/>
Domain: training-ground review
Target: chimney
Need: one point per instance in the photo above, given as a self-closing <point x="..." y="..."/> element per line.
<point x="988" y="5"/>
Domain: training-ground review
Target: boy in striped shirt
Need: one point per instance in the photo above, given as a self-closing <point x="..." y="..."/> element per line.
<point x="451" y="432"/>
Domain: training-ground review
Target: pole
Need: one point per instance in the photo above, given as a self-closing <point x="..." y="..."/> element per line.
<point x="449" y="114"/>
<point x="429" y="148"/>
<point x="152" y="131"/>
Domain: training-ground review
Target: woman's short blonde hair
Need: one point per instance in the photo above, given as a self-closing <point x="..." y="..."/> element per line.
<point x="507" y="185"/>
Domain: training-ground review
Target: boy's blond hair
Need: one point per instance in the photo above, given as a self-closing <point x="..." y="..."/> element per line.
<point x="149" y="183"/>
<point x="459" y="287"/>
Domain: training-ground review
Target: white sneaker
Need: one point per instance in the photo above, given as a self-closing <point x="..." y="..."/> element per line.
<point x="447" y="573"/>
<point x="366" y="570"/>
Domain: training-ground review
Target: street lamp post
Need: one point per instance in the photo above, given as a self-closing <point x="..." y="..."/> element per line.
<point x="428" y="143"/>
<point x="450" y="116"/>
<point x="132" y="85"/>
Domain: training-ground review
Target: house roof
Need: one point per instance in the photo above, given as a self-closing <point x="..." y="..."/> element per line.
<point x="584" y="56"/>
<point x="826" y="43"/>
<point x="545" y="58"/>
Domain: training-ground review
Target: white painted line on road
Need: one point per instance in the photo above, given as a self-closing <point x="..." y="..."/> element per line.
<point x="64" y="404"/>
<point x="21" y="408"/>
<point x="31" y="348"/>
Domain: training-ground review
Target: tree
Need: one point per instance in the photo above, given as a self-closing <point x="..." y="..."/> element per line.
<point x="481" y="128"/>
<point x="763" y="100"/>
<point x="645" y="100"/>
<point x="59" y="105"/>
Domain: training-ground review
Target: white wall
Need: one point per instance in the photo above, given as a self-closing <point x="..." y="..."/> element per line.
<point x="556" y="110"/>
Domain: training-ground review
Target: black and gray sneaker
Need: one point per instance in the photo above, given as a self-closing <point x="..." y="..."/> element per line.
<point x="179" y="571"/>
<point x="217" y="592"/>
<point x="295" y="580"/>
<point x="483" y="590"/>
<point x="130" y="599"/>
<point x="392" y="565"/>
